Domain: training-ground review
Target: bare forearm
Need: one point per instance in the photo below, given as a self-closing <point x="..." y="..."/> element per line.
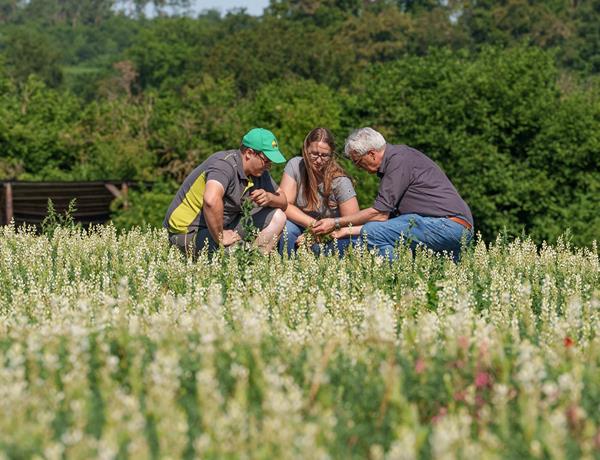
<point x="279" y="200"/>
<point x="345" y="232"/>
<point x="362" y="217"/>
<point x="353" y="230"/>
<point x="213" y="214"/>
<point x="297" y="216"/>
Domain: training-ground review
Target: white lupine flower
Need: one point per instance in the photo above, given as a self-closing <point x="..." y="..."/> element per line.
<point x="73" y="324"/>
<point x="449" y="435"/>
<point x="404" y="447"/>
<point x="531" y="367"/>
<point x="379" y="318"/>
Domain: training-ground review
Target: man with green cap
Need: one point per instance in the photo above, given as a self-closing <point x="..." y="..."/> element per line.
<point x="207" y="209"/>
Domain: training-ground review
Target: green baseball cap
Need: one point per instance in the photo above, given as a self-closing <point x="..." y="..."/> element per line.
<point x="263" y="140"/>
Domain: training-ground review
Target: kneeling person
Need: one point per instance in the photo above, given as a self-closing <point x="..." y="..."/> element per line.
<point x="207" y="209"/>
<point x="416" y="201"/>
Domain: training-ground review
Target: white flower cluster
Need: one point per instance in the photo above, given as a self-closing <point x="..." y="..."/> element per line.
<point x="118" y="346"/>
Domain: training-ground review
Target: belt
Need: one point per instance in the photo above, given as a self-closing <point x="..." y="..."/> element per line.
<point x="462" y="222"/>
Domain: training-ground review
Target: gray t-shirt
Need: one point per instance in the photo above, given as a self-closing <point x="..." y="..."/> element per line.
<point x="185" y="213"/>
<point x="412" y="183"/>
<point x="341" y="190"/>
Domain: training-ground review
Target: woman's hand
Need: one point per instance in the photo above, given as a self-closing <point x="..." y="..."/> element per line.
<point x="324" y="226"/>
<point x="300" y="239"/>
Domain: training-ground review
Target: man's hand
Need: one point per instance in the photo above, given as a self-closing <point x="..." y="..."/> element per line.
<point x="261" y="197"/>
<point x="323" y="226"/>
<point x="230" y="237"/>
<point x="341" y="233"/>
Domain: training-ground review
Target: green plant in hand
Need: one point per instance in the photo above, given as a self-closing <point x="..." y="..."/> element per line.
<point x="249" y="229"/>
<point x="308" y="238"/>
<point x="246" y="250"/>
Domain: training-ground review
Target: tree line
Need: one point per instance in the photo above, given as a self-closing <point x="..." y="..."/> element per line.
<point x="503" y="95"/>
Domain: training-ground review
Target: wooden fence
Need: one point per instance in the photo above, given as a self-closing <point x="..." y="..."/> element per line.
<point x="27" y="202"/>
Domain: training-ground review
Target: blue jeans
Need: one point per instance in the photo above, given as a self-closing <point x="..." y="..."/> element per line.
<point x="437" y="233"/>
<point x="291" y="232"/>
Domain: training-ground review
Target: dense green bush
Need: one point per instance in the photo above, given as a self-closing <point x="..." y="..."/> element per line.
<point x="500" y="107"/>
<point x="516" y="147"/>
<point x="34" y="121"/>
<point x="143" y="207"/>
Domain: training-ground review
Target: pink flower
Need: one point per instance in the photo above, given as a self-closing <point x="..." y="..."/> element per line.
<point x="482" y="379"/>
<point x="420" y="366"/>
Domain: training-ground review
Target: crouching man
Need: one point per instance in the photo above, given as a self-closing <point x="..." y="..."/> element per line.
<point x="207" y="209"/>
<point x="416" y="202"/>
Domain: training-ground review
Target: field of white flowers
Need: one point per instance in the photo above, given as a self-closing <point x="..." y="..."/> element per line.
<point x="116" y="346"/>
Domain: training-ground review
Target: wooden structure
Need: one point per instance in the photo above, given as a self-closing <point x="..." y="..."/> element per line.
<point x="27" y="202"/>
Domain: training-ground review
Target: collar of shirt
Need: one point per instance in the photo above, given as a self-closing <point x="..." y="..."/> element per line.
<point x="240" y="166"/>
<point x="384" y="161"/>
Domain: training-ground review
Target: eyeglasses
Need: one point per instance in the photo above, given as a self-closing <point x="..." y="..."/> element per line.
<point x="358" y="160"/>
<point x="262" y="156"/>
<point x="319" y="156"/>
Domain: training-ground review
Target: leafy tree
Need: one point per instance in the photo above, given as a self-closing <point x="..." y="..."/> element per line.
<point x="187" y="128"/>
<point x="480" y="118"/>
<point x="583" y="51"/>
<point x="375" y="36"/>
<point x="169" y="50"/>
<point x="28" y="52"/>
<point x="110" y="141"/>
<point x="291" y="108"/>
<point x="567" y="151"/>
<point x="69" y="12"/>
<point x="544" y="23"/>
<point x="9" y="10"/>
<point x="34" y="121"/>
<point x="320" y="12"/>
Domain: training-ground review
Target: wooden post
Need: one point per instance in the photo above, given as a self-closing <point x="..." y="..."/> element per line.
<point x="114" y="190"/>
<point x="8" y="195"/>
<point x="124" y="193"/>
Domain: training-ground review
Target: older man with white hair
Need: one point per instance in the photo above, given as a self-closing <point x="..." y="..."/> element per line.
<point x="416" y="202"/>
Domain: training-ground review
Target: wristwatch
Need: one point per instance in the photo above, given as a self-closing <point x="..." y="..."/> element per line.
<point x="337" y="223"/>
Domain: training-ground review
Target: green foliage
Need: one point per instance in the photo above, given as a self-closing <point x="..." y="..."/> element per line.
<point x="29" y="52"/>
<point x="248" y="227"/>
<point x="507" y="106"/>
<point x="111" y="139"/>
<point x="34" y="121"/>
<point x="143" y="208"/>
<point x="169" y="51"/>
<point x="55" y="220"/>
<point x="186" y="128"/>
<point x="481" y="118"/>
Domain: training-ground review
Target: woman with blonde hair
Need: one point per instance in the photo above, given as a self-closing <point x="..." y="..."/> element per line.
<point x="316" y="187"/>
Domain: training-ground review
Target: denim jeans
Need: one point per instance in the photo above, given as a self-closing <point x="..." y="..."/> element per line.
<point x="291" y="232"/>
<point x="437" y="233"/>
<point x="287" y="241"/>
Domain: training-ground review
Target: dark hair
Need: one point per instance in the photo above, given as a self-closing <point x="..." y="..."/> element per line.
<point x="332" y="169"/>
